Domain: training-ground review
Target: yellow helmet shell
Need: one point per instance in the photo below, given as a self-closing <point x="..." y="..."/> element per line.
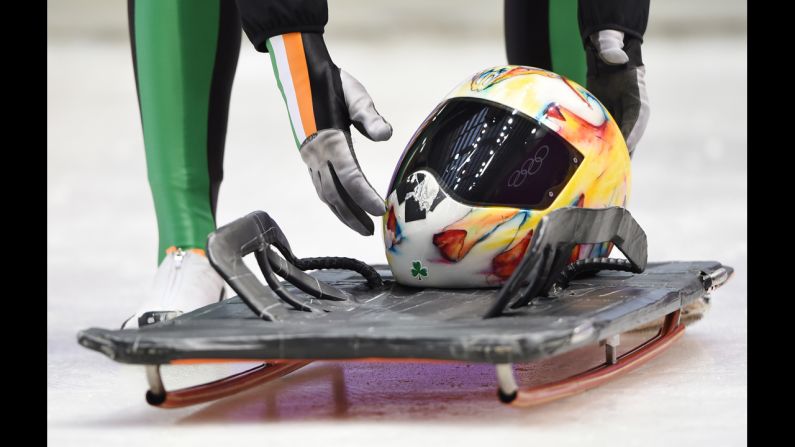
<point x="463" y="245"/>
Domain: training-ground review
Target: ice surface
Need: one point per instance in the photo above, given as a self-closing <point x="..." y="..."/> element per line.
<point x="690" y="192"/>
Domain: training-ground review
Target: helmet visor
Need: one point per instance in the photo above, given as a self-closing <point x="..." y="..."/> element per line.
<point x="485" y="154"/>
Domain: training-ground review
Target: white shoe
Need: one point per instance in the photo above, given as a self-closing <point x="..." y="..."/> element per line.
<point x="185" y="281"/>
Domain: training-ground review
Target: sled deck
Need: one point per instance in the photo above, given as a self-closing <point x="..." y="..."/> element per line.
<point x="548" y="307"/>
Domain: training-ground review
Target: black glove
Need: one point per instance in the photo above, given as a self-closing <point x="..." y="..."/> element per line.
<point x="616" y="75"/>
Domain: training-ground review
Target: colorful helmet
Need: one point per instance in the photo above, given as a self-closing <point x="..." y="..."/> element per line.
<point x="503" y="149"/>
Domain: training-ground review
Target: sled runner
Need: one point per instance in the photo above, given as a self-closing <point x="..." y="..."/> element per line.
<point x="348" y="310"/>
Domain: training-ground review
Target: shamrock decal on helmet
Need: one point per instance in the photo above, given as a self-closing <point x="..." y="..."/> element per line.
<point x="418" y="271"/>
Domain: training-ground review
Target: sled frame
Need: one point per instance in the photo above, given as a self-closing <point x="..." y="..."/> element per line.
<point x="507" y="389"/>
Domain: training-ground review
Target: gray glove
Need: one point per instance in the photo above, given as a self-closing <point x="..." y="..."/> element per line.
<point x="617" y="76"/>
<point x="335" y="172"/>
<point x="323" y="102"/>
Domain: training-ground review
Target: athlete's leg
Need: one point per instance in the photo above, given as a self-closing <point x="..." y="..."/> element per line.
<point x="185" y="53"/>
<point x="545" y="34"/>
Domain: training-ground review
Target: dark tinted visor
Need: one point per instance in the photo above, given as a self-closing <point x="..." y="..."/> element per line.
<point x="486" y="154"/>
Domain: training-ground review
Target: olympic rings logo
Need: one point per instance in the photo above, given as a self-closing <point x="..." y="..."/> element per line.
<point x="528" y="168"/>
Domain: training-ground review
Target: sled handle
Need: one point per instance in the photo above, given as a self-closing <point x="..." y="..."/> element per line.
<point x="556" y="236"/>
<point x="226" y="248"/>
<point x="256" y="233"/>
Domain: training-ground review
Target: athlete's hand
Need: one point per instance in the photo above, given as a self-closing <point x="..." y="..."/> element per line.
<point x="338" y="179"/>
<point x="617" y="76"/>
<point x="323" y="101"/>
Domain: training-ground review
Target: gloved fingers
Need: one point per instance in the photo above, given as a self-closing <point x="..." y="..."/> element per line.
<point x="339" y="180"/>
<point x="356" y="185"/>
<point x="326" y="191"/>
<point x="635" y="107"/>
<point x="339" y="150"/>
<point x="341" y="219"/>
<point x="362" y="110"/>
<point x="610" y="43"/>
<point x="315" y="175"/>
<point x="342" y="205"/>
<point x="614" y="56"/>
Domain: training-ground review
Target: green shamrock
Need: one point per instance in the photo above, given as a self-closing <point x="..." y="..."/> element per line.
<point x="418" y="271"/>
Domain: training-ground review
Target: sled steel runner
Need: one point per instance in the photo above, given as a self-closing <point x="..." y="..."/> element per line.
<point x="546" y="308"/>
<point x="614" y="365"/>
<point x="158" y="396"/>
<point x="510" y="393"/>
